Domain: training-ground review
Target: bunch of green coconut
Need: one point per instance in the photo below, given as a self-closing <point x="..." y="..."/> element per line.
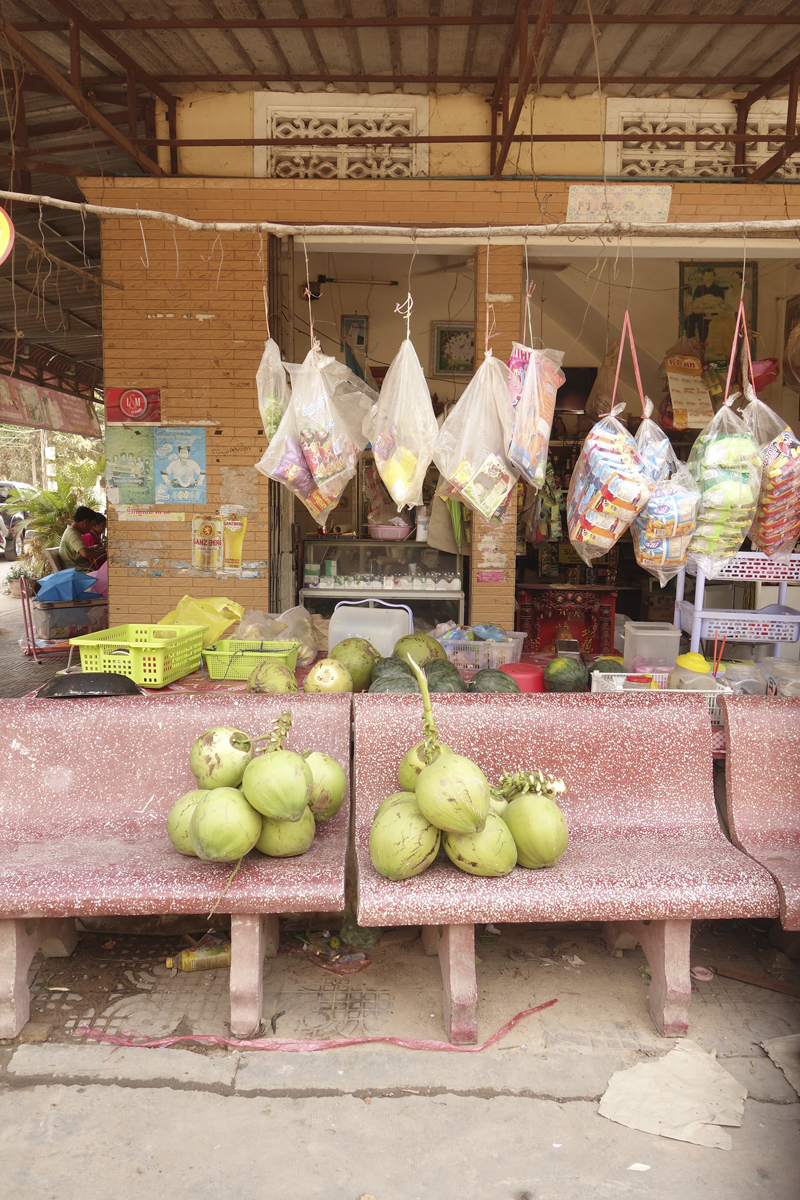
<point x="446" y="800"/>
<point x="269" y="800"/>
<point x="348" y="668"/>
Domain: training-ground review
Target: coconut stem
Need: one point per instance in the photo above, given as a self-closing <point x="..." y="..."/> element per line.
<point x="224" y="890"/>
<point x="521" y="782"/>
<point x="276" y="735"/>
<point x="433" y="746"/>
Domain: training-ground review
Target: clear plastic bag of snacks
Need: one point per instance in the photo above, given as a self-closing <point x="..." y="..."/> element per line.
<point x="726" y="464"/>
<point x="471" y="448"/>
<point x="273" y="389"/>
<point x="663" y="530"/>
<point x="607" y="490"/>
<point x="517" y="366"/>
<point x="403" y="429"/>
<point x="776" y="526"/>
<point x="316" y="447"/>
<point x="533" y="418"/>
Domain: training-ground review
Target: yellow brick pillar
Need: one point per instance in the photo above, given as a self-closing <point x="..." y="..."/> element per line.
<point x="493" y="559"/>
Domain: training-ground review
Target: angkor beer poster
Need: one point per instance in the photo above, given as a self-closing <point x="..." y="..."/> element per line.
<point x="180" y="465"/>
<point x="130" y="472"/>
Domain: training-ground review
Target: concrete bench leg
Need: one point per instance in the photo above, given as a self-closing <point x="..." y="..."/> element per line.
<point x="253" y="938"/>
<point x="455" y="945"/>
<point x="666" y="946"/>
<point x="19" y="941"/>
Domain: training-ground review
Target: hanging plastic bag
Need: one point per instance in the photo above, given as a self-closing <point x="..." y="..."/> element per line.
<point x="662" y="531"/>
<point x="470" y="451"/>
<point x="608" y="486"/>
<point x="533" y="418"/>
<point x="600" y="400"/>
<point x="776" y="526"/>
<point x="404" y="429"/>
<point x="726" y="463"/>
<point x="316" y="447"/>
<point x="517" y="367"/>
<point x="273" y="389"/>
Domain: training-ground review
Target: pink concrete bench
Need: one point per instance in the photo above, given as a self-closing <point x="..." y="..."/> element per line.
<point x="762" y="773"/>
<point x="85" y="788"/>
<point x="646" y="855"/>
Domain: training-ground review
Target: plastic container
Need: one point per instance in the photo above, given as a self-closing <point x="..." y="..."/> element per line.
<point x="423" y="521"/>
<point x="237" y="659"/>
<point x="778" y="675"/>
<point x="654" y="642"/>
<point x="69" y="618"/>
<point x="689" y="670"/>
<point x="390" y="533"/>
<point x="382" y="626"/>
<point x="529" y="676"/>
<point x="745" y="679"/>
<point x="150" y="655"/>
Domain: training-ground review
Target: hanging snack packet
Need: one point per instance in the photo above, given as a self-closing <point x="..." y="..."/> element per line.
<point x="403" y="429"/>
<point x="273" y="390"/>
<point x="517" y="368"/>
<point x="534" y="415"/>
<point x="662" y="531"/>
<point x="776" y="526"/>
<point x="470" y="451"/>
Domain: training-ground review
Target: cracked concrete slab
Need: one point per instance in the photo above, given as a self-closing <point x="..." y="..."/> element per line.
<point x="76" y="1064"/>
<point x="762" y="1078"/>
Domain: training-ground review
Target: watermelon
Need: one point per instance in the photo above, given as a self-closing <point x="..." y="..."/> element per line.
<point x="608" y="666"/>
<point x="565" y="674"/>
<point x="490" y="680"/>
<point x="447" y="683"/>
<point x="395" y="683"/>
<point x="391" y="666"/>
<point x="440" y="669"/>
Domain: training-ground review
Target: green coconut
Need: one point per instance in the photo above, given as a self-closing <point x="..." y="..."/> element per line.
<point x="329" y="785"/>
<point x="219" y="756"/>
<point x="271" y="678"/>
<point x="412" y="764"/>
<point x="539" y="829"/>
<point x="223" y="826"/>
<point x="360" y="657"/>
<point x="490" y="852"/>
<point x="402" y="843"/>
<point x="278" y="782"/>
<point x="179" y="820"/>
<point x="328" y="676"/>
<point x="419" y="647"/>
<point x="285" y="839"/>
<point x="453" y="794"/>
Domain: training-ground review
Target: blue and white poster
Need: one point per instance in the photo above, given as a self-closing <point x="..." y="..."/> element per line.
<point x="180" y="465"/>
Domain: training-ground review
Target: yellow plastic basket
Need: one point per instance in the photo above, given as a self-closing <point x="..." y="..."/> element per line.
<point x="237" y="659"/>
<point x="150" y="655"/>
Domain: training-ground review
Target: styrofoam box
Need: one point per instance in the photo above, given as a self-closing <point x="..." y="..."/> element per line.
<point x="654" y="641"/>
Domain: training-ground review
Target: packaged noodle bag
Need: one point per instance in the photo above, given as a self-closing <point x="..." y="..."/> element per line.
<point x="471" y="447"/>
<point x="273" y="389"/>
<point x="403" y="429"/>
<point x="533" y="418"/>
<point x="776" y="525"/>
<point x="663" y="530"/>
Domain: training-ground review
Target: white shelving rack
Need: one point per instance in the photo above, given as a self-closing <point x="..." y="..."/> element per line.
<point x="773" y="625"/>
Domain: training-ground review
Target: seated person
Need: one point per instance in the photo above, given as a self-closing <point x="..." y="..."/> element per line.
<point x="71" y="550"/>
<point x="96" y="531"/>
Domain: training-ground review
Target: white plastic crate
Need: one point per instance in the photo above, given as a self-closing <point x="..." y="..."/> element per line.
<point x="611" y="683"/>
<point x="477" y="656"/>
<point x="775" y="623"/>
<point x="751" y="564"/>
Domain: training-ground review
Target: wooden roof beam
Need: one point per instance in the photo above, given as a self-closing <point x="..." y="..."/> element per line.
<point x="155" y="24"/>
<point x="523" y="87"/>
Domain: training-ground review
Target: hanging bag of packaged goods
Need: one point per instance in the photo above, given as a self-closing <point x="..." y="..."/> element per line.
<point x="273" y="389"/>
<point x="471" y="449"/>
<point x="404" y="430"/>
<point x="608" y="486"/>
<point x="776" y="525"/>
<point x="726" y="463"/>
<point x="533" y="417"/>
<point x="663" y="530"/>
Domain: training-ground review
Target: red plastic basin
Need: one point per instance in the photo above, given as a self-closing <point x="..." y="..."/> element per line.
<point x="529" y="676"/>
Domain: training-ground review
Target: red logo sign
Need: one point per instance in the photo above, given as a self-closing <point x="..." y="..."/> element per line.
<point x="124" y="405"/>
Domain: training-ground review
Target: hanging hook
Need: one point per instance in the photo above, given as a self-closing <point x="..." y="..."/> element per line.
<point x="266" y="310"/>
<point x="307" y="294"/>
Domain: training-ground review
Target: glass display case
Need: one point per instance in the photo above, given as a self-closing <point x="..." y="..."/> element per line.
<point x="429" y="581"/>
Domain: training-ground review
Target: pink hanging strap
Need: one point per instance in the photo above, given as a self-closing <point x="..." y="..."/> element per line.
<point x="741" y="323"/>
<point x="626" y="327"/>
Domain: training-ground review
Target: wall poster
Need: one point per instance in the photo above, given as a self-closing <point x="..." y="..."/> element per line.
<point x="709" y="301"/>
<point x="180" y="465"/>
<point x="130" y="473"/>
<point x="133" y="406"/>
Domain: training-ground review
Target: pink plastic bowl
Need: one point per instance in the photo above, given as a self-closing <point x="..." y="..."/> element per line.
<point x="529" y="676"/>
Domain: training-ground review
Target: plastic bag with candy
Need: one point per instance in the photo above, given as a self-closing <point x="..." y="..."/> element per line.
<point x="776" y="526"/>
<point x="662" y="531"/>
<point x="471" y="448"/>
<point x="533" y="418"/>
<point x="607" y="490"/>
<point x="273" y="389"/>
<point x="726" y="464"/>
<point x="403" y="429"/>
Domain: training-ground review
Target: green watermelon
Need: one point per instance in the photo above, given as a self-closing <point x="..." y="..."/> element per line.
<point x="607" y="666"/>
<point x="391" y="666"/>
<point x="395" y="683"/>
<point x="490" y="680"/>
<point x="440" y="668"/>
<point x="447" y="683"/>
<point x="565" y="674"/>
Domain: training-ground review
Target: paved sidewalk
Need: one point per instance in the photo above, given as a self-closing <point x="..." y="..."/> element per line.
<point x="19" y="674"/>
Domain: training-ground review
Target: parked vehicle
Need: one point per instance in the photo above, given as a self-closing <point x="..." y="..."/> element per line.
<point x="13" y="518"/>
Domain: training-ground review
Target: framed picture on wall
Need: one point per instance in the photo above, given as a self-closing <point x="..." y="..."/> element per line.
<point x="354" y="341"/>
<point x="709" y="301"/>
<point x="453" y="350"/>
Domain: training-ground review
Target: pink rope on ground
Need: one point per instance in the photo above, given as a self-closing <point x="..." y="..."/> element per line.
<point x="294" y="1046"/>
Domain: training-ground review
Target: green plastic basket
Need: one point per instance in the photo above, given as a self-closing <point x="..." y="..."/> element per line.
<point x="237" y="659"/>
<point x="150" y="655"/>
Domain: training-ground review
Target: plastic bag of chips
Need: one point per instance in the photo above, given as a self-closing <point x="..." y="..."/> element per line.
<point x="726" y="464"/>
<point x="403" y="429"/>
<point x="471" y="450"/>
<point x="607" y="490"/>
<point x="776" y="526"/>
<point x="533" y="418"/>
<point x="663" y="530"/>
